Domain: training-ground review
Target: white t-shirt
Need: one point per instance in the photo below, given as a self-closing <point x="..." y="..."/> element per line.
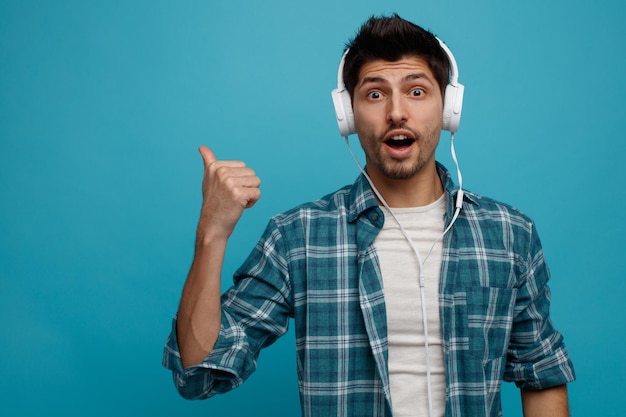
<point x="400" y="271"/>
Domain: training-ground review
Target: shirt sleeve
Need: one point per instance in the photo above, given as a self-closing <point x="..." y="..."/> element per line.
<point x="255" y="312"/>
<point x="537" y="356"/>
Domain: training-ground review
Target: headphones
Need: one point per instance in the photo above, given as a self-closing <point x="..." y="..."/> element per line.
<point x="452" y="102"/>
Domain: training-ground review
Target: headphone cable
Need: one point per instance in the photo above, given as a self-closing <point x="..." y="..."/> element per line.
<point x="422" y="278"/>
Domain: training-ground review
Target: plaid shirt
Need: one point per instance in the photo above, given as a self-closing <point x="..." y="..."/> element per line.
<point x="318" y="265"/>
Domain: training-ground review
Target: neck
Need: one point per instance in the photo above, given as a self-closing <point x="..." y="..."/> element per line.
<point x="420" y="190"/>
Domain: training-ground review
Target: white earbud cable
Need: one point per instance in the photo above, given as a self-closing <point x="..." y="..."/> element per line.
<point x="422" y="278"/>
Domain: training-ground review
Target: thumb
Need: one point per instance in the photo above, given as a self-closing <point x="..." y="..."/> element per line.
<point x="208" y="156"/>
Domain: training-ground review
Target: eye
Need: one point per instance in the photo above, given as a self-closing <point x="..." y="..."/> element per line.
<point x="416" y="92"/>
<point x="374" y="95"/>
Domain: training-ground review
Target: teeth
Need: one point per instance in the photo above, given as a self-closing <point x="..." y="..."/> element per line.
<point x="399" y="137"/>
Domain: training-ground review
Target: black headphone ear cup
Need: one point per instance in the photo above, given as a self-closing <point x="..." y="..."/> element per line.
<point x="343" y="111"/>
<point x="452" y="106"/>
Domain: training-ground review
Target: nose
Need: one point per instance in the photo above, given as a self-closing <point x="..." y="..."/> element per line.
<point x="397" y="112"/>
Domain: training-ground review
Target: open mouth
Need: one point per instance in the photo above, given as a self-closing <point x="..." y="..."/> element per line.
<point x="399" y="141"/>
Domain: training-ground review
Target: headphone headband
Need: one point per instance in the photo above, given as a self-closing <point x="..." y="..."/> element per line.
<point x="452" y="106"/>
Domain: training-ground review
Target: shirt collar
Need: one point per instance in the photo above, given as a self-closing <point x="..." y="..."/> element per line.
<point x="362" y="197"/>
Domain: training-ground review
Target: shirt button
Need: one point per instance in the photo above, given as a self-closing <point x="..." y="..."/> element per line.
<point x="375" y="217"/>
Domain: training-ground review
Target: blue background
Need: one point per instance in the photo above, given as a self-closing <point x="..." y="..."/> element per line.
<point x="102" y="107"/>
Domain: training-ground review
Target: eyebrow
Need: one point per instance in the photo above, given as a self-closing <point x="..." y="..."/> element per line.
<point x="408" y="77"/>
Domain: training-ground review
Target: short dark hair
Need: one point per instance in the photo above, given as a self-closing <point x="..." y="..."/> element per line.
<point x="390" y="38"/>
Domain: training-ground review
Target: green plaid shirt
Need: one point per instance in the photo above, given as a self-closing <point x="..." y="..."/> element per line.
<point x="317" y="265"/>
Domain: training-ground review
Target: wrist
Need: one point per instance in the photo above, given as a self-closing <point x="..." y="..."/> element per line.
<point x="208" y="234"/>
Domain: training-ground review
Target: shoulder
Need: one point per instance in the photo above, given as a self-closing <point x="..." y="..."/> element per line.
<point x="490" y="223"/>
<point x="317" y="222"/>
<point x="331" y="205"/>
<point x="491" y="229"/>
<point x="345" y="204"/>
<point x="486" y="209"/>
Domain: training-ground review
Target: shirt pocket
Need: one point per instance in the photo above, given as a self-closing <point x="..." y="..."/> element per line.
<point x="489" y="318"/>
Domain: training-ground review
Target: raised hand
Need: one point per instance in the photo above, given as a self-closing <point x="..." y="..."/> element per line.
<point x="228" y="187"/>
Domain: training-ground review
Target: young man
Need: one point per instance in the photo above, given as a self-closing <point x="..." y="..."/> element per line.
<point x="390" y="313"/>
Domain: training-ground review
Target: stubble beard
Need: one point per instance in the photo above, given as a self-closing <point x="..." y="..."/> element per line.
<point x="395" y="168"/>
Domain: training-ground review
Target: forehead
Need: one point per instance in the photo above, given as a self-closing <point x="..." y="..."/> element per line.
<point x="388" y="71"/>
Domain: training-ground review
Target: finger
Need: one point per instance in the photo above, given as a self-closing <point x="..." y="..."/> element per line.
<point x="245" y="181"/>
<point x="208" y="156"/>
<point x="242" y="188"/>
<point x="253" y="196"/>
<point x="231" y="171"/>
